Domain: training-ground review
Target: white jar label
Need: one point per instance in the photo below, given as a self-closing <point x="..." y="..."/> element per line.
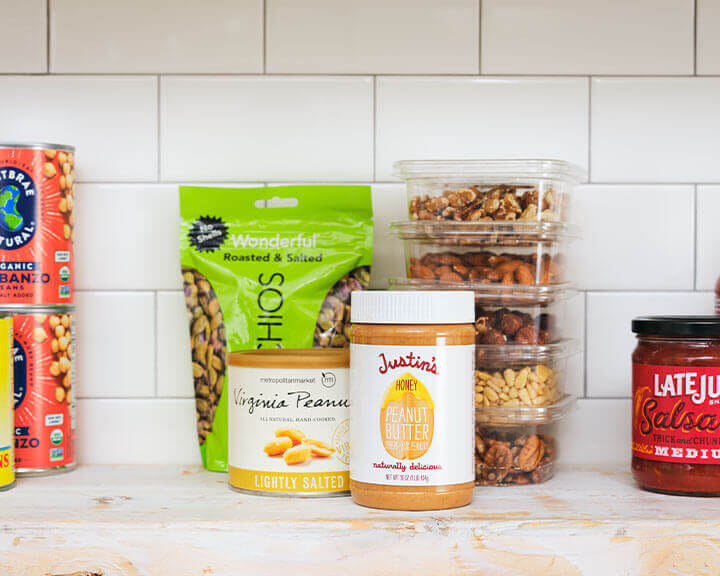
<point x="413" y="415"/>
<point x="289" y="430"/>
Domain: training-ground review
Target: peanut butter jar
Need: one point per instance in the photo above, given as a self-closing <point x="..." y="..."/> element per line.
<point x="411" y="399"/>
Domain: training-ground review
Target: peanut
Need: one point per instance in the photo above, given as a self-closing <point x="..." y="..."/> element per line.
<point x="319" y="448"/>
<point x="278" y="446"/>
<point x="295" y="435"/>
<point x="297" y="454"/>
<point x="59" y="393"/>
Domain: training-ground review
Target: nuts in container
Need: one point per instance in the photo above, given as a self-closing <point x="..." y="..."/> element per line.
<point x="516" y="376"/>
<point x="518" y="445"/>
<point x="508" y="314"/>
<point x="488" y="190"/>
<point x="485" y="253"/>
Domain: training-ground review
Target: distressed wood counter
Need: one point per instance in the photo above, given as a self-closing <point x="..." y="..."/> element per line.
<point x="169" y="521"/>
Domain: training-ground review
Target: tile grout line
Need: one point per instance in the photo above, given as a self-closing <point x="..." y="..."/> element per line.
<point x="264" y="30"/>
<point x="480" y="37"/>
<point x="159" y="136"/>
<point x="695" y="238"/>
<point x="156" y="336"/>
<point x="589" y="152"/>
<point x="374" y="130"/>
<point x="695" y="36"/>
<point x="409" y="76"/>
<point x="585" y="354"/>
<point x="47" y="36"/>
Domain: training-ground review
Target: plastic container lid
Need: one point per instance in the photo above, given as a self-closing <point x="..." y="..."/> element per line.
<point x="507" y="170"/>
<point x="681" y="326"/>
<point x="421" y="307"/>
<point x="500" y="294"/>
<point x="524" y="415"/>
<point x="510" y="354"/>
<point x="511" y="231"/>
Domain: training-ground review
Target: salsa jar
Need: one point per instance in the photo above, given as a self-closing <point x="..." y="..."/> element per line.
<point x="676" y="405"/>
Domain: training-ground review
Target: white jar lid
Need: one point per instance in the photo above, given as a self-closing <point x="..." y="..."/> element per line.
<point x="412" y="307"/>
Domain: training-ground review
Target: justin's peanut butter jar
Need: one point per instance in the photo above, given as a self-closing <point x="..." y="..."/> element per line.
<point x="288" y="420"/>
<point x="412" y="399"/>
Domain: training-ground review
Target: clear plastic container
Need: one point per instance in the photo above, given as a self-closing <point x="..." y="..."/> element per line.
<point x="515" y="446"/>
<point x="528" y="253"/>
<point x="506" y="313"/>
<point x="472" y="190"/>
<point x="521" y="376"/>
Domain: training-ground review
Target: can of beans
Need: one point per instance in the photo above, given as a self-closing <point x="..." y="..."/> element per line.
<point x="37" y="221"/>
<point x="44" y="370"/>
<point x="7" y="448"/>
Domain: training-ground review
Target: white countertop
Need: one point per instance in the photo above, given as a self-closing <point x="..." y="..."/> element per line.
<point x="144" y="520"/>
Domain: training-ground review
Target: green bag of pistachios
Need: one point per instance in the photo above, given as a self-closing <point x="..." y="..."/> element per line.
<point x="266" y="267"/>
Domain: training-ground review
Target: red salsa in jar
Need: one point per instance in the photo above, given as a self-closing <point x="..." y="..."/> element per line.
<point x="676" y="405"/>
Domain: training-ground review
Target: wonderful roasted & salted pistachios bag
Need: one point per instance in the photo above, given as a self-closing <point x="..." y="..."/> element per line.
<point x="262" y="268"/>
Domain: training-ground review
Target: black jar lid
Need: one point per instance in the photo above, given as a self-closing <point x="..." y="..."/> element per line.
<point x="681" y="326"/>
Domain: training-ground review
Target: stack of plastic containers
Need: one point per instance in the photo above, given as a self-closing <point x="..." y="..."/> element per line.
<point x="499" y="228"/>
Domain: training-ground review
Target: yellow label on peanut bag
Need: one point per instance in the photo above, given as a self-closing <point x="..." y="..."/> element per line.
<point x="7" y="451"/>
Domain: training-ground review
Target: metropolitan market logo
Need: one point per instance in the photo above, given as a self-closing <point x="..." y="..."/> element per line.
<point x="17" y="208"/>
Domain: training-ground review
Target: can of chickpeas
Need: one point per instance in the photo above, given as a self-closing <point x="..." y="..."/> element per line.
<point x="44" y="370"/>
<point x="37" y="221"/>
<point x="7" y="445"/>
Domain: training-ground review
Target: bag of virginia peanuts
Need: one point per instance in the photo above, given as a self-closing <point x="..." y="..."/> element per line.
<point x="266" y="268"/>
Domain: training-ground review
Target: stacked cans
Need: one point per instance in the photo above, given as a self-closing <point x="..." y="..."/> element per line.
<point x="499" y="228"/>
<point x="37" y="233"/>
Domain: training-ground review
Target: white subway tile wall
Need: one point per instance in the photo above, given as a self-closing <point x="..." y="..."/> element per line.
<point x="373" y="36"/>
<point x="587" y="37"/>
<point x="260" y="93"/>
<point x="137" y="36"/>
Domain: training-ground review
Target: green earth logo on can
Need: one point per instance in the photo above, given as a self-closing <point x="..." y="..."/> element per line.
<point x="17" y="208"/>
<point x="10" y="220"/>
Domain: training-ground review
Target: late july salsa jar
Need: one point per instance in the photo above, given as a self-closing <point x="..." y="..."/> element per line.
<point x="676" y="405"/>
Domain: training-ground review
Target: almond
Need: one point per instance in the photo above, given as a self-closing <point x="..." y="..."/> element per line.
<point x="524" y="276"/>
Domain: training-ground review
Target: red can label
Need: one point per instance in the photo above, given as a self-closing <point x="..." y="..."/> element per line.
<point x="676" y="413"/>
<point x="43" y="369"/>
<point x="36" y="226"/>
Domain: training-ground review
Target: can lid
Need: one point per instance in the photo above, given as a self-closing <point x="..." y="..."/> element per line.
<point x="291" y="358"/>
<point x="38" y="146"/>
<point x="414" y="307"/>
<point x="683" y="326"/>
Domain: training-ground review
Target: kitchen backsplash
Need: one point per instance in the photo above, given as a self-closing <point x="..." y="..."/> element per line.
<point x="156" y="93"/>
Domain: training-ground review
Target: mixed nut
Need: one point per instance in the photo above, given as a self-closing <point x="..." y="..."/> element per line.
<point x="482" y="203"/>
<point x="528" y="386"/>
<point x="516" y="455"/>
<point x="486" y="268"/>
<point x="332" y="329"/>
<point x="502" y="326"/>
<point x="208" y="347"/>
